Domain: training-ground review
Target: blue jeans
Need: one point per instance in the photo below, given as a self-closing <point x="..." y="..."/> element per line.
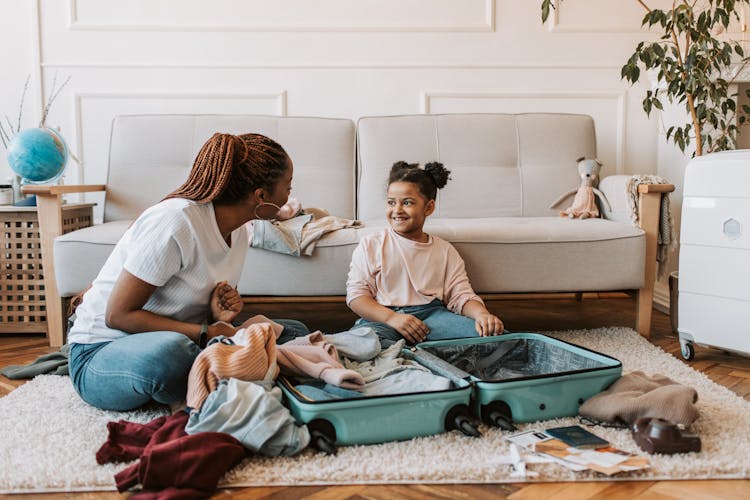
<point x="131" y="371"/>
<point x="442" y="323"/>
<point x="292" y="329"/>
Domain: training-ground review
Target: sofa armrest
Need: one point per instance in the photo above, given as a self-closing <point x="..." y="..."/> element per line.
<point x="615" y="188"/>
<point x="60" y="190"/>
<point x="49" y="212"/>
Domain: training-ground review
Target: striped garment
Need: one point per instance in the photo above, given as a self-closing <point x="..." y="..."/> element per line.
<point x="254" y="361"/>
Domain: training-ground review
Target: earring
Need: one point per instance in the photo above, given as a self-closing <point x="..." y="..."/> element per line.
<point x="266" y="203"/>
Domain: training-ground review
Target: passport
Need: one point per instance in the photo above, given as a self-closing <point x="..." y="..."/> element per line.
<point x="577" y="437"/>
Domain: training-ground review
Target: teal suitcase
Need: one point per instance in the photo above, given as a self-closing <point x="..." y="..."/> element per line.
<point x="377" y="419"/>
<point x="522" y="377"/>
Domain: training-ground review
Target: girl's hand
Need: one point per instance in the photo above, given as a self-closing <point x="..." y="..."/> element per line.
<point x="410" y="327"/>
<point x="226" y="302"/>
<point x="488" y="324"/>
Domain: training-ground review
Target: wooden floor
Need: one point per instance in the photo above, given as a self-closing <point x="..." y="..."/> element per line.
<point x="528" y="314"/>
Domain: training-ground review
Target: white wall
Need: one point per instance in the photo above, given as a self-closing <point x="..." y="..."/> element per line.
<point x="338" y="58"/>
<point x="19" y="61"/>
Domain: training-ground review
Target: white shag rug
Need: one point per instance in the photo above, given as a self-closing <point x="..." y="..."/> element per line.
<point x="48" y="438"/>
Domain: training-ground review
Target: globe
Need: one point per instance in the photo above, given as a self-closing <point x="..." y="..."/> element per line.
<point x="38" y="155"/>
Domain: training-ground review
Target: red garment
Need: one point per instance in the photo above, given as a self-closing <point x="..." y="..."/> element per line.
<point x="172" y="464"/>
<point x="127" y="440"/>
<point x="191" y="464"/>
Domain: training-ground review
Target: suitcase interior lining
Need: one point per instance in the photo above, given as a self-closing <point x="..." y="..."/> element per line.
<point x="514" y="359"/>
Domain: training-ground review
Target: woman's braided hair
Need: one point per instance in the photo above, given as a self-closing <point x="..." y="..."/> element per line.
<point x="229" y="167"/>
<point x="434" y="176"/>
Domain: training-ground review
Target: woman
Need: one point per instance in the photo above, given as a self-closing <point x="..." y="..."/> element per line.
<point x="168" y="286"/>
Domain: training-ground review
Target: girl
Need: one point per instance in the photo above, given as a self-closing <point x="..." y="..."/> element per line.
<point x="406" y="283"/>
<point x="156" y="301"/>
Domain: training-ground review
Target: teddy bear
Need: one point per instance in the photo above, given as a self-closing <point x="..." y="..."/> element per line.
<point x="584" y="203"/>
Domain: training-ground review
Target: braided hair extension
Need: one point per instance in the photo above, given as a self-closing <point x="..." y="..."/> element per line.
<point x="434" y="176"/>
<point x="229" y="167"/>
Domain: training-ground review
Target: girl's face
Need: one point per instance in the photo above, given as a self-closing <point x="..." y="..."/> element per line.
<point x="406" y="210"/>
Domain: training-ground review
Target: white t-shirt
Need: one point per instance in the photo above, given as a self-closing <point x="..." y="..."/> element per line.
<point x="176" y="246"/>
<point x="396" y="271"/>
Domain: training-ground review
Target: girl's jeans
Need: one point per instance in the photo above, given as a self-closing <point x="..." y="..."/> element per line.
<point x="442" y="323"/>
<point x="131" y="371"/>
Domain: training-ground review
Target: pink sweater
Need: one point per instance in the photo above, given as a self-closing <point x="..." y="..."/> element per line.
<point x="396" y="271"/>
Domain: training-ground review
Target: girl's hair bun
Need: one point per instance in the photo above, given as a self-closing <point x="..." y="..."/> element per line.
<point x="433" y="177"/>
<point x="438" y="172"/>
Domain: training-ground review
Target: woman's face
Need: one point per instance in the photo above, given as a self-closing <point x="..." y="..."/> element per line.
<point x="278" y="195"/>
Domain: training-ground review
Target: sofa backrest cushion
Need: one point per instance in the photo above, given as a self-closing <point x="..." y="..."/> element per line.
<point x="501" y="164"/>
<point x="151" y="155"/>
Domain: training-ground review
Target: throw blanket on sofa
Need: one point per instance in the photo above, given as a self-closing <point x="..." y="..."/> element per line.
<point x="296" y="236"/>
<point x="667" y="239"/>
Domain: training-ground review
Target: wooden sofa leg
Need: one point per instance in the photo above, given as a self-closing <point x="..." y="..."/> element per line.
<point x="649" y="204"/>
<point x="644" y="309"/>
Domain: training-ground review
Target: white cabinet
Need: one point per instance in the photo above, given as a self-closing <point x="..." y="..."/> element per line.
<point x="714" y="284"/>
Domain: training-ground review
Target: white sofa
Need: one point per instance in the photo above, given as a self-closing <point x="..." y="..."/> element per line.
<point x="506" y="170"/>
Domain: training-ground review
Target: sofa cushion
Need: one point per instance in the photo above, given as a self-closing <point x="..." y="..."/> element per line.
<point x="501" y="164"/>
<point x="502" y="254"/>
<point x="161" y="149"/>
<point x="79" y="255"/>
<point x="547" y="254"/>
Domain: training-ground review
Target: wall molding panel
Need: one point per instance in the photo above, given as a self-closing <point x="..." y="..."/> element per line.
<point x="597" y="16"/>
<point x="608" y="108"/>
<point x="283" y="15"/>
<point x="352" y="65"/>
<point x="91" y="131"/>
<point x="661" y="297"/>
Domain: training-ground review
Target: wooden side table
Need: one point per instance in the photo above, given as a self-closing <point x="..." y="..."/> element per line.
<point x="23" y="305"/>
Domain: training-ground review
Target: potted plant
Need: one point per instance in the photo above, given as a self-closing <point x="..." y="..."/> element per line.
<point x="693" y="60"/>
<point x="694" y="63"/>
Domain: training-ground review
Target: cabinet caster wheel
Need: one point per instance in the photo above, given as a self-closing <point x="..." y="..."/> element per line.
<point x="688" y="351"/>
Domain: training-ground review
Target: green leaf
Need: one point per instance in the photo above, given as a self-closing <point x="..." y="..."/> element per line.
<point x="546" y="4"/>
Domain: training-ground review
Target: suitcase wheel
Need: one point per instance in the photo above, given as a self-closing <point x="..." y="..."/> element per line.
<point x="322" y="436"/>
<point x="458" y="419"/>
<point x="498" y="414"/>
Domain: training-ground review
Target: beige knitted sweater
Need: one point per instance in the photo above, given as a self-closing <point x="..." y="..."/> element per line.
<point x="637" y="395"/>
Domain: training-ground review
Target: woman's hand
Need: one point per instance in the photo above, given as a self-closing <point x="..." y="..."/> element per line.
<point x="488" y="324"/>
<point x="221" y="328"/>
<point x="410" y="327"/>
<point x="226" y="302"/>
